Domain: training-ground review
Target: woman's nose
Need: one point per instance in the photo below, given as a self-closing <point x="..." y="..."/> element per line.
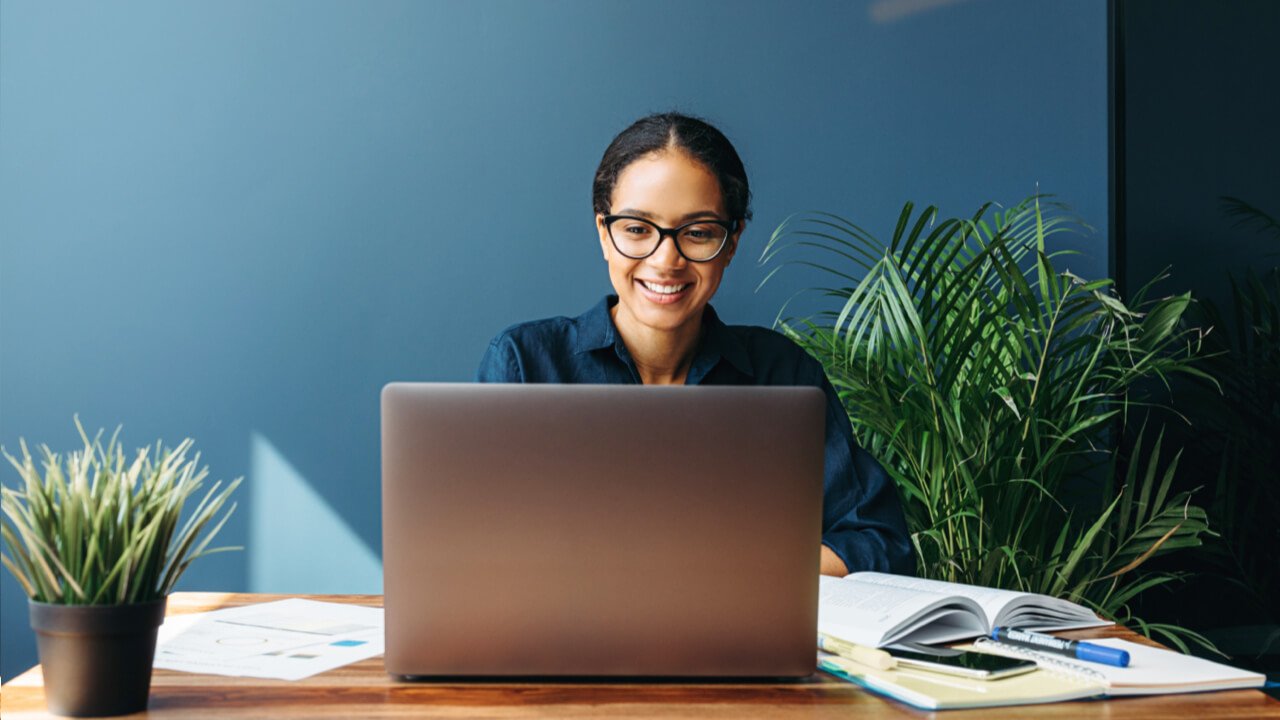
<point x="667" y="254"/>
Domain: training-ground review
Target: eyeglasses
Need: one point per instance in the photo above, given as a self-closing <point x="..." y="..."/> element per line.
<point x="698" y="241"/>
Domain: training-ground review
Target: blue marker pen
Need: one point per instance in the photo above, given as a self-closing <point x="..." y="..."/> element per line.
<point x="1088" y="652"/>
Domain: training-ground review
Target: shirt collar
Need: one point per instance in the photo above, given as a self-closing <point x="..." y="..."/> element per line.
<point x="595" y="327"/>
<point x="596" y="331"/>
<point x="719" y="342"/>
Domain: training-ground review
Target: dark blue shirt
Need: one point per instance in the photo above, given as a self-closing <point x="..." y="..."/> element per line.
<point x="862" y="519"/>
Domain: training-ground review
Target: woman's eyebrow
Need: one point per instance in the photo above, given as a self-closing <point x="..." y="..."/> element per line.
<point x="637" y="213"/>
<point x="689" y="216"/>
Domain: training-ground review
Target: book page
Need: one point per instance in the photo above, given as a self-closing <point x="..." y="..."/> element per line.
<point x="991" y="600"/>
<point x="875" y="615"/>
<point x="1043" y="613"/>
<point x="1002" y="607"/>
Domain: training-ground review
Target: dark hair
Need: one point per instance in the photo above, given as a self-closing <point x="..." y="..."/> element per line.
<point x="696" y="137"/>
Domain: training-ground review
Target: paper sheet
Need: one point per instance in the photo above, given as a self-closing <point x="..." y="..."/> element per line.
<point x="285" y="640"/>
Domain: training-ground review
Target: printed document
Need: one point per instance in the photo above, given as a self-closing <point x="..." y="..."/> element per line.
<point x="285" y="640"/>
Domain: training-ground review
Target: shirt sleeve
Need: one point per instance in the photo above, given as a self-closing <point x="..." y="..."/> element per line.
<point x="862" y="520"/>
<point x="500" y="363"/>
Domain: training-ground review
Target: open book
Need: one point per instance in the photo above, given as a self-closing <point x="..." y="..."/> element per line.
<point x="876" y="609"/>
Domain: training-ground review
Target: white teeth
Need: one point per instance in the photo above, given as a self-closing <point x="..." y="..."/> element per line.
<point x="664" y="289"/>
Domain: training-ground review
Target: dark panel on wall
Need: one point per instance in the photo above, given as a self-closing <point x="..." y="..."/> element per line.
<point x="1199" y="193"/>
<point x="1200" y="114"/>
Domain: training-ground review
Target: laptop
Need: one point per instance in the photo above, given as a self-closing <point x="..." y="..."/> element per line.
<point x="601" y="530"/>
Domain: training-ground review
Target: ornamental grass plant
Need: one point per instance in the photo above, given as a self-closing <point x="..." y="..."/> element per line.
<point x="94" y="527"/>
<point x="991" y="385"/>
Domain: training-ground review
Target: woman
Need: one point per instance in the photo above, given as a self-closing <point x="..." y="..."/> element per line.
<point x="671" y="200"/>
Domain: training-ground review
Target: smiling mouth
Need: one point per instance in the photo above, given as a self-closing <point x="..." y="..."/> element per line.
<point x="662" y="293"/>
<point x="664" y="289"/>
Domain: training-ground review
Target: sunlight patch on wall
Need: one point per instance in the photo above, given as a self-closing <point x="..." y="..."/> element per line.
<point x="297" y="543"/>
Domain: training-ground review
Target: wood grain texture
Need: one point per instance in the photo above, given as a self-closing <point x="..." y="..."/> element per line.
<point x="364" y="690"/>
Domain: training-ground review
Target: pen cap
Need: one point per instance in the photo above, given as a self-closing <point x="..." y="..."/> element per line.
<point x="1102" y="654"/>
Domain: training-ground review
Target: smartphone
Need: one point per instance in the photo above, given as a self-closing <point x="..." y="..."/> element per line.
<point x="976" y="665"/>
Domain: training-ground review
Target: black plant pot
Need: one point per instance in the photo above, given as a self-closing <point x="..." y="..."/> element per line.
<point x="96" y="659"/>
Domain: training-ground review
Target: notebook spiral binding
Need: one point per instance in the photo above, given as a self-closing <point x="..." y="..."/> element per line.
<point x="1050" y="663"/>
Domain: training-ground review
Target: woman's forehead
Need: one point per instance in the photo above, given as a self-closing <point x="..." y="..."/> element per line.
<point x="668" y="185"/>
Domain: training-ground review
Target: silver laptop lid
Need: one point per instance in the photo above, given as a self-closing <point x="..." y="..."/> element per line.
<point x="601" y="529"/>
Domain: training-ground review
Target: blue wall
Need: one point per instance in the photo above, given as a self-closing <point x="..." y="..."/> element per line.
<point x="236" y="220"/>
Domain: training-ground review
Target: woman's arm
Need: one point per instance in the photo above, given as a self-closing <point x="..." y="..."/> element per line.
<point x="862" y="520"/>
<point x="832" y="564"/>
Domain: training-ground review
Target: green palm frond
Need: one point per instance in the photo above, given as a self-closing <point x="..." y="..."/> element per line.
<point x="1249" y="216"/>
<point x="985" y="380"/>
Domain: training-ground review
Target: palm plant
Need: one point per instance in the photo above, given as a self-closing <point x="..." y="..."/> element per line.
<point x="987" y="382"/>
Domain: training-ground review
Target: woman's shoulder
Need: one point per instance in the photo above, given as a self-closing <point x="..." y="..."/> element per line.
<point x="764" y="339"/>
<point x="537" y="333"/>
<point x="528" y="351"/>
<point x="559" y="332"/>
<point x="774" y="353"/>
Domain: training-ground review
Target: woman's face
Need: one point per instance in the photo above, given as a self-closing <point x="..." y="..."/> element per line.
<point x="670" y="189"/>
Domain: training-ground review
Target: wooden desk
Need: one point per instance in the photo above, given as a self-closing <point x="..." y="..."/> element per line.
<point x="364" y="690"/>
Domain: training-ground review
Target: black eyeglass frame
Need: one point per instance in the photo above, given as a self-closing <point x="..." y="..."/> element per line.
<point x="729" y="226"/>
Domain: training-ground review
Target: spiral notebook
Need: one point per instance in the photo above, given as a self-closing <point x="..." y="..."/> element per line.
<point x="937" y="691"/>
<point x="1151" y="671"/>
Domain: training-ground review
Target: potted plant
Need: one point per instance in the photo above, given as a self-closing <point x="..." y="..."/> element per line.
<point x="990" y="383"/>
<point x="96" y="544"/>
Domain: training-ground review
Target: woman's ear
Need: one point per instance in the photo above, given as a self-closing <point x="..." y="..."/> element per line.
<point x="733" y="241"/>
<point x="605" y="242"/>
